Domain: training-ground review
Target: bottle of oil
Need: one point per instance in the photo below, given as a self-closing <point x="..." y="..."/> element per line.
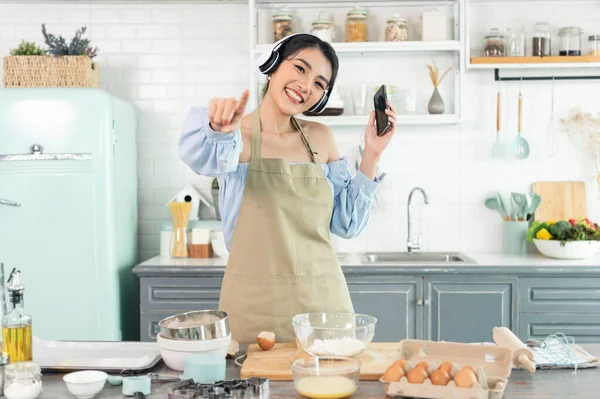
<point x="16" y="324"/>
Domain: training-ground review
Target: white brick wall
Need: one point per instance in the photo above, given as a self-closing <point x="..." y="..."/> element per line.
<point x="163" y="58"/>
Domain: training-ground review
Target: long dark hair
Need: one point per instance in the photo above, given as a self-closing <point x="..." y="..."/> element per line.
<point x="300" y="42"/>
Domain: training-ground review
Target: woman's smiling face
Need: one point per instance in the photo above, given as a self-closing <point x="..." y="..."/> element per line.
<point x="300" y="81"/>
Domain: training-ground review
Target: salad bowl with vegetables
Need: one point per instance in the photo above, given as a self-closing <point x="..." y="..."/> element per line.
<point x="565" y="239"/>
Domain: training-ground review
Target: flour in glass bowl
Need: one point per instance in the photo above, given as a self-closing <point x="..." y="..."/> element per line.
<point x="337" y="347"/>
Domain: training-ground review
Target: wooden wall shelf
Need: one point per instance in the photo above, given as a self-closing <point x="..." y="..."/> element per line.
<point x="535" y="60"/>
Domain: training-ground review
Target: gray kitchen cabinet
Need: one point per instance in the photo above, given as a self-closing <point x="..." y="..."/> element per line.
<point x="467" y="308"/>
<point x="393" y="301"/>
<point x="451" y="303"/>
<point x="584" y="328"/>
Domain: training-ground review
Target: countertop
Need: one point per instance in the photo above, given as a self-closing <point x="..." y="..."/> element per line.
<point x="543" y="384"/>
<point x="484" y="263"/>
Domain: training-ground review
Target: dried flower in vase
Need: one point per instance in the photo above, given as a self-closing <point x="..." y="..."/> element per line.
<point x="434" y="74"/>
<point x="583" y="129"/>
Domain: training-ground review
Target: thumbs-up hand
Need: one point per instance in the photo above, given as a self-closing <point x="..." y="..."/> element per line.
<point x="225" y="114"/>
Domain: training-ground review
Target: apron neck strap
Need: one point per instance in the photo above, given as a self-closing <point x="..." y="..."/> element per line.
<point x="256" y="137"/>
<point x="313" y="154"/>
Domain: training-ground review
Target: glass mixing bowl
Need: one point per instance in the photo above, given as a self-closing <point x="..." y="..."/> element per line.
<point x="334" y="334"/>
<point x="326" y="377"/>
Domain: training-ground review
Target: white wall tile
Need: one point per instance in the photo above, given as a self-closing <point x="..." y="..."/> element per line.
<point x="164" y="57"/>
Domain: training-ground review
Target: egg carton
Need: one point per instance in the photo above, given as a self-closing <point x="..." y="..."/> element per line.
<point x="492" y="365"/>
<point x="251" y="388"/>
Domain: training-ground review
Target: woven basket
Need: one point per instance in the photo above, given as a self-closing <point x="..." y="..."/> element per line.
<point x="50" y="71"/>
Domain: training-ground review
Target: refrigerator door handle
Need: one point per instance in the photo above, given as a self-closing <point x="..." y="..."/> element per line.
<point x="8" y="202"/>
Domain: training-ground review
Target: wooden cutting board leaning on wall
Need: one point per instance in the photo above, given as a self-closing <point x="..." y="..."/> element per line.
<point x="561" y="200"/>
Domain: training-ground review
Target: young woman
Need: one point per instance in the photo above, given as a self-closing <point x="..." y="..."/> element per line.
<point x="283" y="189"/>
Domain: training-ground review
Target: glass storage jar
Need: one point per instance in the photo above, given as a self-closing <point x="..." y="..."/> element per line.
<point x="516" y="42"/>
<point x="494" y="44"/>
<point x="396" y="29"/>
<point x="356" y="25"/>
<point x="541" y="40"/>
<point x="594" y="45"/>
<point x="569" y="41"/>
<point x="321" y="27"/>
<point x="282" y="23"/>
<point x="23" y="380"/>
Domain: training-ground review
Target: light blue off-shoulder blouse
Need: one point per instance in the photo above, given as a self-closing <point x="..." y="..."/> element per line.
<point x="211" y="153"/>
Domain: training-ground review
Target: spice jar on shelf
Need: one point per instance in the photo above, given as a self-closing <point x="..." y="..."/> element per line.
<point x="541" y="41"/>
<point x="356" y="25"/>
<point x="594" y="45"/>
<point x="321" y="27"/>
<point x="494" y="44"/>
<point x="516" y="42"/>
<point x="282" y="23"/>
<point x="396" y="29"/>
<point x="569" y="41"/>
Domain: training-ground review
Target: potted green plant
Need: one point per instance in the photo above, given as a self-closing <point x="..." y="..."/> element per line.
<point x="565" y="239"/>
<point x="62" y="64"/>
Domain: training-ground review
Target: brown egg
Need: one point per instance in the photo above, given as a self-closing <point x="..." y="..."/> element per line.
<point x="417" y="375"/>
<point x="401" y="364"/>
<point x="393" y="373"/>
<point x="446" y="366"/>
<point x="424" y="365"/>
<point x="465" y="378"/>
<point x="471" y="368"/>
<point x="440" y="377"/>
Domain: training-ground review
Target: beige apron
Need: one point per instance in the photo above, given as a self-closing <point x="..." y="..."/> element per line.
<point x="281" y="260"/>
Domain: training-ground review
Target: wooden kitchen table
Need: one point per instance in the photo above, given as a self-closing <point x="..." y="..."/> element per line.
<point x="543" y="384"/>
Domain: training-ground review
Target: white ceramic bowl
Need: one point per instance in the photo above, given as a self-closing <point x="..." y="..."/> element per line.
<point x="85" y="384"/>
<point x="217" y="240"/>
<point x="571" y="249"/>
<point x="174" y="351"/>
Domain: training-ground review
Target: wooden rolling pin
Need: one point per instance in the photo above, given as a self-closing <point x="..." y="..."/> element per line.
<point x="522" y="355"/>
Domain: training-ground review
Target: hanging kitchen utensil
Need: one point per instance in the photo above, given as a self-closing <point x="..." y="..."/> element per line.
<point x="551" y="133"/>
<point x="520" y="146"/>
<point x="499" y="147"/>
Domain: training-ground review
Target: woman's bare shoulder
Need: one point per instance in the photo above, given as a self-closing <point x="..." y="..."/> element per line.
<point x="321" y="137"/>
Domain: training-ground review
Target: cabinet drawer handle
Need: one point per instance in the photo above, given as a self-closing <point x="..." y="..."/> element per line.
<point x="427" y="302"/>
<point x="419" y="302"/>
<point x="7" y="202"/>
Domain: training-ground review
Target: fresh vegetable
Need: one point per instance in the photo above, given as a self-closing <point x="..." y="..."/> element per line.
<point x="543" y="234"/>
<point x="581" y="229"/>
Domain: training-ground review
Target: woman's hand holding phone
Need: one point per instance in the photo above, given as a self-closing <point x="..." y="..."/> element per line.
<point x="225" y="114"/>
<point x="375" y="144"/>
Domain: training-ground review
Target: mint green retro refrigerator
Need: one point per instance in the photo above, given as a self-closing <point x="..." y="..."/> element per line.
<point x="68" y="210"/>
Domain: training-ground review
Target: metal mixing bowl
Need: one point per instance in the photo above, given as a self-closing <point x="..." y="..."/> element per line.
<point x="199" y="325"/>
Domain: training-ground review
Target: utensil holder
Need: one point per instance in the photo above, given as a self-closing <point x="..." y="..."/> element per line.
<point x="515" y="237"/>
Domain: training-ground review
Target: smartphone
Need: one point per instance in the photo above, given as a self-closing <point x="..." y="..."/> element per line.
<point x="381" y="119"/>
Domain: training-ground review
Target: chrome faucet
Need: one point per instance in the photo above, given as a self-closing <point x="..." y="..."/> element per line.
<point x="410" y="245"/>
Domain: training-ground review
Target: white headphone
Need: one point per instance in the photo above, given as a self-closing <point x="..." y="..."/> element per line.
<point x="271" y="58"/>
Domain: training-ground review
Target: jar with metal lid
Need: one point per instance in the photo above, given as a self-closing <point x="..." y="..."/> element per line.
<point x="494" y="44"/>
<point x="282" y="23"/>
<point x="396" y="29"/>
<point x="569" y="41"/>
<point x="321" y="27"/>
<point x="541" y="40"/>
<point x="23" y="381"/>
<point x="594" y="44"/>
<point x="356" y="25"/>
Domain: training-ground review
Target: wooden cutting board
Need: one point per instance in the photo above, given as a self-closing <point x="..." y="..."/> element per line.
<point x="560" y="200"/>
<point x="275" y="363"/>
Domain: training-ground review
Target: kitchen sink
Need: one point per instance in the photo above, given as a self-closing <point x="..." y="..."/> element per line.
<point x="415" y="257"/>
